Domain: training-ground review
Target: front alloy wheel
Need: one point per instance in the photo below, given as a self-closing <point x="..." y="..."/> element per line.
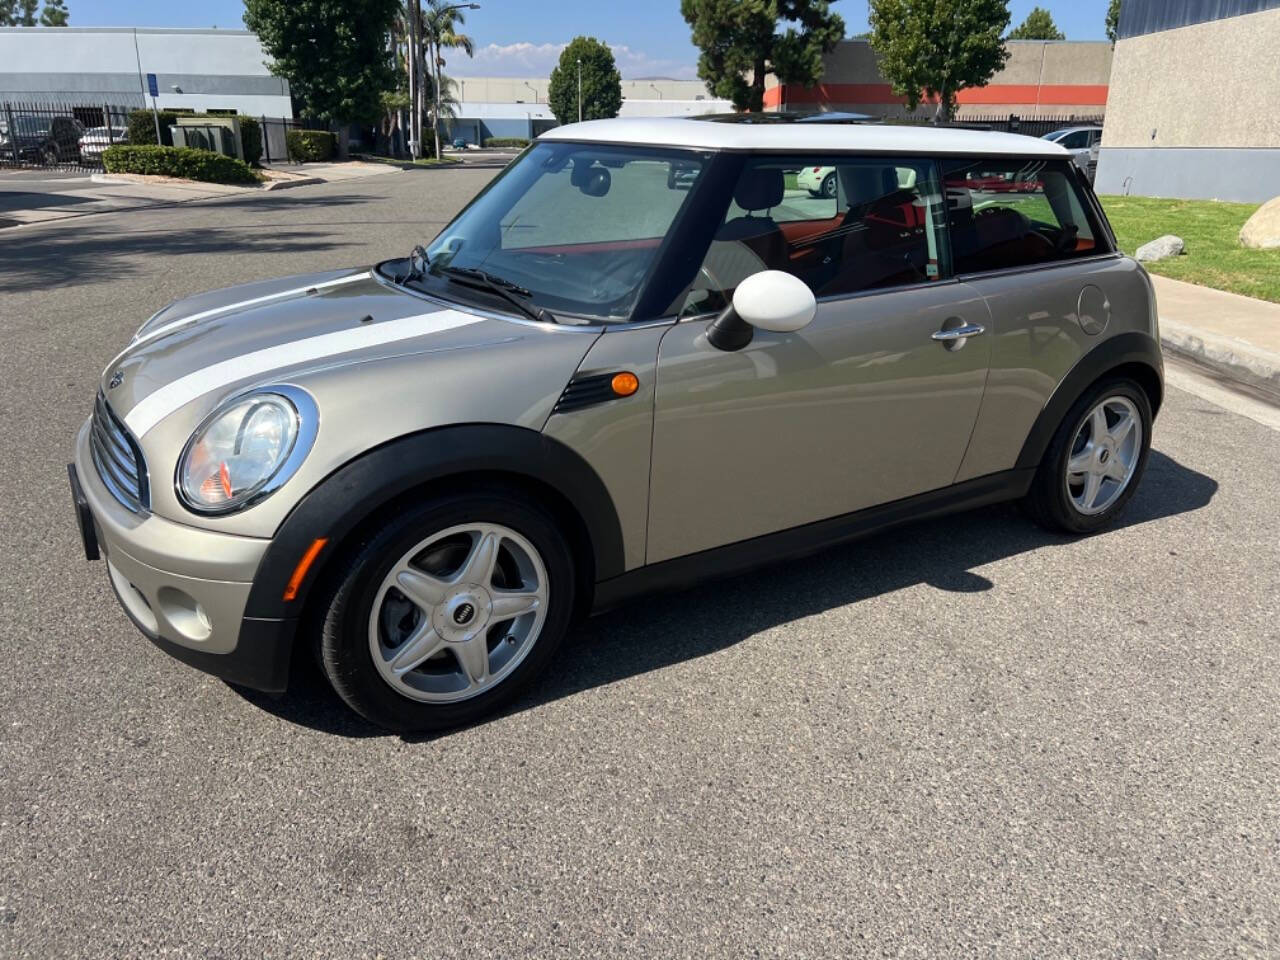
<point x="446" y="610"/>
<point x="458" y="613"/>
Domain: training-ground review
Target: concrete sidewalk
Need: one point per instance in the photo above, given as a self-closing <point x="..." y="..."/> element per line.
<point x="1236" y="337"/>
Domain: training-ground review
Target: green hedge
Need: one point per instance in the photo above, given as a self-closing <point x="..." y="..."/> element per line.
<point x="251" y="140"/>
<point x="142" y="127"/>
<point x="506" y="141"/>
<point x="306" y="146"/>
<point x="177" y="162"/>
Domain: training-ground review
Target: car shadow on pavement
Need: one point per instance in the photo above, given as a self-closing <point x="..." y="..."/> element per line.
<point x="671" y="628"/>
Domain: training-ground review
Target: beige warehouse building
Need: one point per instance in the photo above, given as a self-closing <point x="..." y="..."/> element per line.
<point x="1192" y="106"/>
<point x="1041" y="78"/>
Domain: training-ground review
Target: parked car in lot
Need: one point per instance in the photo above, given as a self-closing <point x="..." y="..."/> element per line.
<point x="821" y="181"/>
<point x="459" y="143"/>
<point x="97" y="139"/>
<point x="1079" y="141"/>
<point x="602" y="380"/>
<point x="40" y="139"/>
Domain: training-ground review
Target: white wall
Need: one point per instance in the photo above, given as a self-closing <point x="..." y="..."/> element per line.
<point x="223" y="69"/>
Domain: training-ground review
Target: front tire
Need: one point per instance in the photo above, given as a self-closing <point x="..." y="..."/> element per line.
<point x="1095" y="460"/>
<point x="447" y="610"/>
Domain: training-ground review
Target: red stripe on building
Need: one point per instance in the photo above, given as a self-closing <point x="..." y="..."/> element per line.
<point x="1030" y="94"/>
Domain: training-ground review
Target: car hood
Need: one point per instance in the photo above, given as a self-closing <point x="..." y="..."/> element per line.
<point x="218" y="343"/>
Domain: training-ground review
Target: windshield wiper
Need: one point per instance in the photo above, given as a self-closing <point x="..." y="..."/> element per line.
<point x="513" y="293"/>
<point x="415" y="271"/>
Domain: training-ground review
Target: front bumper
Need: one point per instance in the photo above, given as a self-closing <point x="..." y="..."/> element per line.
<point x="185" y="588"/>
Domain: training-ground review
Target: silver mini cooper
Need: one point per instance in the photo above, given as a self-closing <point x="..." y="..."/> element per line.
<point x="645" y="354"/>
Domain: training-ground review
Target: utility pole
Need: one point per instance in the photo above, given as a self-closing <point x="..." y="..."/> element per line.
<point x="435" y="63"/>
<point x="579" y="89"/>
<point x="411" y="63"/>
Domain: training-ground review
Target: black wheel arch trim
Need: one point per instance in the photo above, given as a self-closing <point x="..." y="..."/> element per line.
<point x="335" y="507"/>
<point x="1124" y="349"/>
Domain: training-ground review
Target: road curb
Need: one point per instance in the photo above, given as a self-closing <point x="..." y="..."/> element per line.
<point x="1228" y="357"/>
<point x="286" y="184"/>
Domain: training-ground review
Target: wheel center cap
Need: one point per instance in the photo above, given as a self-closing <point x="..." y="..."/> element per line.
<point x="1104" y="456"/>
<point x="464" y="613"/>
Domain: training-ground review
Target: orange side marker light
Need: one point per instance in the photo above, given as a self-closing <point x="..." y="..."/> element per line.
<point x="300" y="571"/>
<point x="625" y="384"/>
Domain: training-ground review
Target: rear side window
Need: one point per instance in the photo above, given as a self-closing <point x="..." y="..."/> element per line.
<point x="1016" y="213"/>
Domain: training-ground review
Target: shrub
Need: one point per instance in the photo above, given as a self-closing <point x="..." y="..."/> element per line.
<point x="251" y="140"/>
<point x="142" y="127"/>
<point x="506" y="141"/>
<point x="177" y="162"/>
<point x="306" y="146"/>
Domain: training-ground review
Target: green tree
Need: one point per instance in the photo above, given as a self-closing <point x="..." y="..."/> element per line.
<point x="333" y="53"/>
<point x="1113" y="20"/>
<point x="601" y="82"/>
<point x="54" y="14"/>
<point x="18" y="13"/>
<point x="741" y="45"/>
<point x="1039" y="25"/>
<point x="939" y="47"/>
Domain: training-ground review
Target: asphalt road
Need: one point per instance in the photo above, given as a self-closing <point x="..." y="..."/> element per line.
<point x="967" y="738"/>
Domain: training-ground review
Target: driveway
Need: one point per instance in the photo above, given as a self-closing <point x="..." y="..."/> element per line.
<point x="965" y="738"/>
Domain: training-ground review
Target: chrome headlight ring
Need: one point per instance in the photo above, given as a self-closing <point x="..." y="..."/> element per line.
<point x="246" y="449"/>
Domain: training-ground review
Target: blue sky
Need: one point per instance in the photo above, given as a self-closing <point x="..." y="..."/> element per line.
<point x="523" y="37"/>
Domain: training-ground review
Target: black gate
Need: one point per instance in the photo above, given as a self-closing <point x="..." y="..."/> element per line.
<point x="61" y="136"/>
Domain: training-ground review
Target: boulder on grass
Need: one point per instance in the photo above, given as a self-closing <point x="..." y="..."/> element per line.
<point x="1262" y="230"/>
<point x="1161" y="248"/>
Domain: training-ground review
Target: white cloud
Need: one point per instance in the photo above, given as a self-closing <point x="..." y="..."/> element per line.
<point x="537" y="60"/>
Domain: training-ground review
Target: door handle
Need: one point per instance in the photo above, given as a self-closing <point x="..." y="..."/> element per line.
<point x="959" y="333"/>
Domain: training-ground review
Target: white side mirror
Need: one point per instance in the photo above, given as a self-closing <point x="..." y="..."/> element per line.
<point x="771" y="300"/>
<point x="774" y="300"/>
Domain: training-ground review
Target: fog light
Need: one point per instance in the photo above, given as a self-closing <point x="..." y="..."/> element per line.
<point x="184" y="613"/>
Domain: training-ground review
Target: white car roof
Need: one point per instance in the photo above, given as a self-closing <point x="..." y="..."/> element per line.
<point x="878" y="138"/>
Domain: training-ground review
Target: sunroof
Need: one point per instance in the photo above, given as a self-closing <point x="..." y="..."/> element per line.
<point x="790" y="116"/>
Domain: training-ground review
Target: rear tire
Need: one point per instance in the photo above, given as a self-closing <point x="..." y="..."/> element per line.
<point x="488" y="596"/>
<point x="1095" y="460"/>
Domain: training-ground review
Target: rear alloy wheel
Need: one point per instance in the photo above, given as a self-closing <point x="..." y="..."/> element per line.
<point x="1095" y="460"/>
<point x="828" y="188"/>
<point x="49" y="154"/>
<point x="447" y="611"/>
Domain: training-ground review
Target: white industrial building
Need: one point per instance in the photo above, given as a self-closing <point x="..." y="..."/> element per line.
<point x="201" y="70"/>
<point x="91" y="66"/>
<point x="517" y="106"/>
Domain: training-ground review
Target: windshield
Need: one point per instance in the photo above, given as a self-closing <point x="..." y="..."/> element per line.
<point x="31" y="125"/>
<point x="578" y="226"/>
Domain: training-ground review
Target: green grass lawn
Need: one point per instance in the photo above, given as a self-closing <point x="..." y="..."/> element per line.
<point x="1211" y="231"/>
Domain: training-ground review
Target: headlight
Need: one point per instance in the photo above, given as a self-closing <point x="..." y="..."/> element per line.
<point x="246" y="449"/>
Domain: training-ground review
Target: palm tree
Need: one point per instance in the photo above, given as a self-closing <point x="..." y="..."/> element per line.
<point x="448" y="97"/>
<point x="439" y="32"/>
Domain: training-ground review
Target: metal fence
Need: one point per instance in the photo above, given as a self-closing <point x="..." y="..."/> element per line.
<point x="59" y="136"/>
<point x="1032" y="126"/>
<point x="274" y="149"/>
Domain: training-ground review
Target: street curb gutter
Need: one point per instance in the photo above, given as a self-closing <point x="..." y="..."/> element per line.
<point x="1233" y="359"/>
<point x="286" y="184"/>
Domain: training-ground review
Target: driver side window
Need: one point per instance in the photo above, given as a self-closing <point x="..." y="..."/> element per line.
<point x="843" y="224"/>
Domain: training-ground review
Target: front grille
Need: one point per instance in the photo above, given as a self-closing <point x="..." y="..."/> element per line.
<point x="118" y="459"/>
